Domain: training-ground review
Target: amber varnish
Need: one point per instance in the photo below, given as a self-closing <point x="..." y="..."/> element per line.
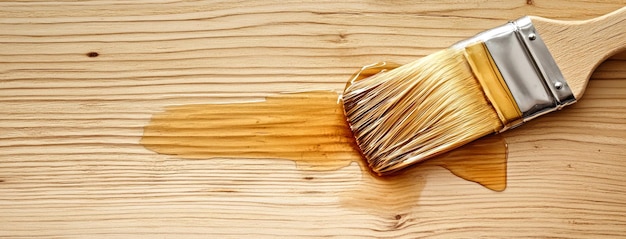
<point x="308" y="128"/>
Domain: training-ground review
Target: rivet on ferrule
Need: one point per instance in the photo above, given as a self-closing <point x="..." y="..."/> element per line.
<point x="558" y="85"/>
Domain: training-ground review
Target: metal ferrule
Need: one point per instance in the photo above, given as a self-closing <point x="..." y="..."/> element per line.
<point x="525" y="64"/>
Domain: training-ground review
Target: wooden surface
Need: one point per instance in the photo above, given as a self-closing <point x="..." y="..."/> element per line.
<point x="71" y="120"/>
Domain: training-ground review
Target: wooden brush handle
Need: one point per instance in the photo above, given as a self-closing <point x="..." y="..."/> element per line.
<point x="579" y="47"/>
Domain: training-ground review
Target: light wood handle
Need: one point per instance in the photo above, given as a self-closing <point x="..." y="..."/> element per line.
<point x="579" y="47"/>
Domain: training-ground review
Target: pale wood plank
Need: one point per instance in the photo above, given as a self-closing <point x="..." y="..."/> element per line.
<point x="71" y="164"/>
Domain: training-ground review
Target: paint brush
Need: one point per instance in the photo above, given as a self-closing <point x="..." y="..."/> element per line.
<point x="492" y="82"/>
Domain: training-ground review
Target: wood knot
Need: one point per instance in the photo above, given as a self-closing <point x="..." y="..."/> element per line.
<point x="342" y="37"/>
<point x="399" y="222"/>
<point x="92" y="54"/>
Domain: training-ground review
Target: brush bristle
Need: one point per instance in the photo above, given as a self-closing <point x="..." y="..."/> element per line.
<point x="417" y="111"/>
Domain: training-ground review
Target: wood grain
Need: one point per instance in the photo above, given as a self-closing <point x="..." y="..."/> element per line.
<point x="71" y="165"/>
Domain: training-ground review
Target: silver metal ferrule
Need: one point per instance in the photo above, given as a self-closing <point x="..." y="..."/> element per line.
<point x="527" y="67"/>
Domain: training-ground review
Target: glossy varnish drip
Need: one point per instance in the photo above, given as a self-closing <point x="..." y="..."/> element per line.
<point x="308" y="128"/>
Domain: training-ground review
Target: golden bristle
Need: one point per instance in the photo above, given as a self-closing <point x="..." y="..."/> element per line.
<point x="417" y="111"/>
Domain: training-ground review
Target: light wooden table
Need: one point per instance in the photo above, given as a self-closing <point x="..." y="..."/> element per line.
<point x="71" y="164"/>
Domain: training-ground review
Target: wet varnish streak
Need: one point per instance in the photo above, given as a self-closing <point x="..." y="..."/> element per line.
<point x="308" y="128"/>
